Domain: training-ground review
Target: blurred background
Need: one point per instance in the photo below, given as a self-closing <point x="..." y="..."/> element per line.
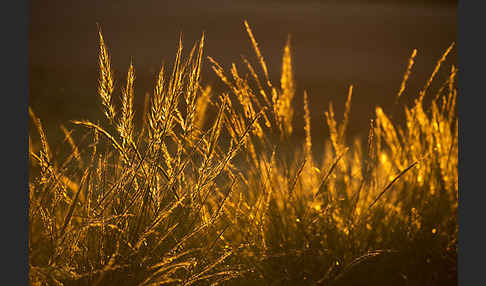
<point x="335" y="44"/>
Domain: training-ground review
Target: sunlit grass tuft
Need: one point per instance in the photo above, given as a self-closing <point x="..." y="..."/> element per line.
<point x="197" y="199"/>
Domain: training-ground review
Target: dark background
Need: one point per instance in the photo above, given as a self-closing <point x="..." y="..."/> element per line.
<point x="334" y="44"/>
<point x="471" y="62"/>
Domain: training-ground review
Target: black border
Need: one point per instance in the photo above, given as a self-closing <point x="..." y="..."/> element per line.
<point x="472" y="63"/>
<point x="15" y="21"/>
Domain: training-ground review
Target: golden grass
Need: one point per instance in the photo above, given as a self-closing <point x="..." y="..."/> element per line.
<point x="106" y="82"/>
<point x="228" y="199"/>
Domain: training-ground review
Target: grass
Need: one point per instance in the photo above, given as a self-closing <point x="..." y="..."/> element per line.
<point x="211" y="188"/>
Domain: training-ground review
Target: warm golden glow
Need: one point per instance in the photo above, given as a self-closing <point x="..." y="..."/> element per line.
<point x="194" y="197"/>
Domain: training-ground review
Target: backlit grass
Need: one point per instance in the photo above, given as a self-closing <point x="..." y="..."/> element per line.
<point x="212" y="188"/>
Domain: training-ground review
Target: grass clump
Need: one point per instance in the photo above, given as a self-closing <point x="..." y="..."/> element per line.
<point x="184" y="198"/>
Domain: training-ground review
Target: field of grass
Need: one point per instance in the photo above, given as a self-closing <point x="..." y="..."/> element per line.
<point x="204" y="188"/>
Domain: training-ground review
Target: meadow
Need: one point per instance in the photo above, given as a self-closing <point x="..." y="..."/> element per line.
<point x="211" y="187"/>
